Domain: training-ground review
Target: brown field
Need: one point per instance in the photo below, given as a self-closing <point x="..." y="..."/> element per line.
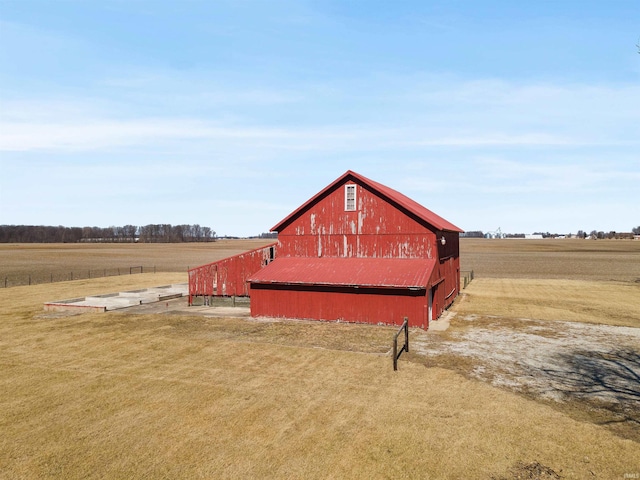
<point x="173" y="395"/>
<point x="573" y="259"/>
<point x="562" y="259"/>
<point x="46" y="261"/>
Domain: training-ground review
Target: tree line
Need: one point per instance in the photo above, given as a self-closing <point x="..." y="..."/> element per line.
<point x="153" y="233"/>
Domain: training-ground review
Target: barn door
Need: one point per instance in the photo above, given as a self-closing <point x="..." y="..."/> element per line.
<point x="430" y="307"/>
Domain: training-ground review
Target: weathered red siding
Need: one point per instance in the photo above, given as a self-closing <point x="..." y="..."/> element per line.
<point x="228" y="277"/>
<point x="445" y="279"/>
<point x="377" y="229"/>
<point x="370" y="305"/>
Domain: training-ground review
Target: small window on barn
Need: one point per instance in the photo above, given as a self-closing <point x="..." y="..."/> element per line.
<point x="350" y="198"/>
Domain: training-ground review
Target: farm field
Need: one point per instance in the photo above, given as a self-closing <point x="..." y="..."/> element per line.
<point x="560" y="259"/>
<point x="179" y="395"/>
<point x="573" y="259"/>
<point x="44" y="262"/>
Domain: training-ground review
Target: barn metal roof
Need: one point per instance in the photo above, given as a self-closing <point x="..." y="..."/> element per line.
<point x="395" y="197"/>
<point x="411" y="273"/>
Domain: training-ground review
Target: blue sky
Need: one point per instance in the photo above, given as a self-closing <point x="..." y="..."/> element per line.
<point x="230" y="114"/>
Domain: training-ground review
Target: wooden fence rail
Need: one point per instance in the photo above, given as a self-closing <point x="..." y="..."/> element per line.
<point x="405" y="347"/>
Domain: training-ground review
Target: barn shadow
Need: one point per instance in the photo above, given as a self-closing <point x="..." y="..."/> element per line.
<point x="609" y="380"/>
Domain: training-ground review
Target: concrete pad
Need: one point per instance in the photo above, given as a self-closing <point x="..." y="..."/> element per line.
<point x="227" y="312"/>
<point x="115" y="301"/>
<point x="442" y="323"/>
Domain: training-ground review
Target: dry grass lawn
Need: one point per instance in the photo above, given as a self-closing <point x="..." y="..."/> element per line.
<point x="175" y="396"/>
<point x="611" y="303"/>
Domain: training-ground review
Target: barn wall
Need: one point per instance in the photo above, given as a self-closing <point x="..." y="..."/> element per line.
<point x="445" y="278"/>
<point x="202" y="280"/>
<point x="361" y="305"/>
<point x="228" y="277"/>
<point x="358" y="246"/>
<point x="376" y="229"/>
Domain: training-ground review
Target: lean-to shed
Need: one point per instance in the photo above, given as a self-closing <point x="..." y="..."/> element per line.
<point x="228" y="277"/>
<point x="359" y="251"/>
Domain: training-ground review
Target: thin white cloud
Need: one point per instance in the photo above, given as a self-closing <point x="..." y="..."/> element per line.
<point x="484" y="113"/>
<point x="106" y="134"/>
<point x="205" y="89"/>
<point x="552" y="176"/>
<point x="501" y="175"/>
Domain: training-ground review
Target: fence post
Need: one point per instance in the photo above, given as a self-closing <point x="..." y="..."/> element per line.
<point x="406" y="334"/>
<point x="405" y="347"/>
<point x="395" y="353"/>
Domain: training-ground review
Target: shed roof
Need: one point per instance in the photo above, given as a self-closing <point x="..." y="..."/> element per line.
<point x="393" y="196"/>
<point x="411" y="273"/>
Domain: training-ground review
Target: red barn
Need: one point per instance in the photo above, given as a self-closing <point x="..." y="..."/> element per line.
<point x="359" y="251"/>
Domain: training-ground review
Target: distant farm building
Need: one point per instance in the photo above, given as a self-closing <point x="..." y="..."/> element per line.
<point x="357" y="251"/>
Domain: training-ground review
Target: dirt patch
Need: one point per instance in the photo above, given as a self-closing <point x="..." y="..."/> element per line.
<point x="597" y="366"/>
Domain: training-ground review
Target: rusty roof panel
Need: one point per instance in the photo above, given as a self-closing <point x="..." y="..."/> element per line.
<point x="361" y="272"/>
